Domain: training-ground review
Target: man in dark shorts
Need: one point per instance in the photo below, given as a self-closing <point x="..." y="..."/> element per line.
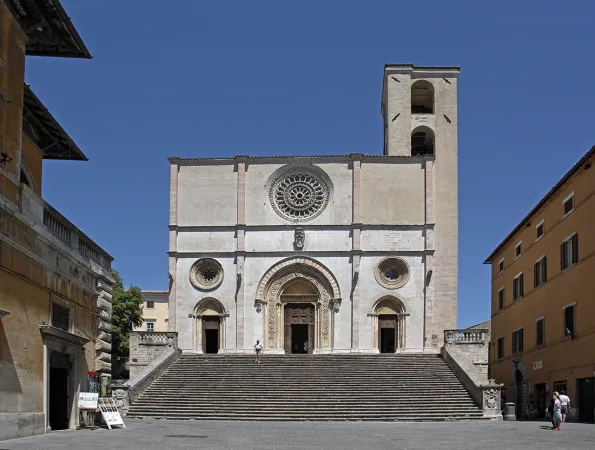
<point x="565" y="404"/>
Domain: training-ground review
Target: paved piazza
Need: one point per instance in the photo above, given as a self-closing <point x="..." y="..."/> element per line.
<point x="169" y="434"/>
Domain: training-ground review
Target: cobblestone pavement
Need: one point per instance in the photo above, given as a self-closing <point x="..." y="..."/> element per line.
<point x="169" y="434"/>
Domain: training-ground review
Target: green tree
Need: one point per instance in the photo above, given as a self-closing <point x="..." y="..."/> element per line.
<point x="127" y="313"/>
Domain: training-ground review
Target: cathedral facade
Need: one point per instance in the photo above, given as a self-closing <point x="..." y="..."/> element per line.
<point x="324" y="254"/>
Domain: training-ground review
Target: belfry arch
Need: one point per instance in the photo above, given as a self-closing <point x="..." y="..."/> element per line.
<point x="298" y="292"/>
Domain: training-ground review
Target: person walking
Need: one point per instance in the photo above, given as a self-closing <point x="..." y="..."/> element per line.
<point x="257" y="349"/>
<point x="557" y="412"/>
<point x="565" y="405"/>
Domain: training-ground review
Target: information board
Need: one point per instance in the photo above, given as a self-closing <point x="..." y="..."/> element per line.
<point x="110" y="413"/>
<point x="88" y="400"/>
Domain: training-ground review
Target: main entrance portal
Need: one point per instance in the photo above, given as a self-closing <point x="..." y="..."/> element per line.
<point x="299" y="328"/>
<point x="387" y="333"/>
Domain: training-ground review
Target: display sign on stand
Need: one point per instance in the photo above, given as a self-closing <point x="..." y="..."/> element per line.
<point x="110" y="413"/>
<point x="87" y="407"/>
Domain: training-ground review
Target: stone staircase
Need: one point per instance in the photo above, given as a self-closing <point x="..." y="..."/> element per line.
<point x="308" y="387"/>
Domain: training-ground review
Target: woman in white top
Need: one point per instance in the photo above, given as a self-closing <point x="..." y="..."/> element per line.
<point x="557" y="412"/>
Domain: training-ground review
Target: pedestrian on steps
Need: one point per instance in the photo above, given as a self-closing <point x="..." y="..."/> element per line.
<point x="257" y="349"/>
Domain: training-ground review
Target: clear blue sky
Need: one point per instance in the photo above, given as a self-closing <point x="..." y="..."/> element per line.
<point x="220" y="78"/>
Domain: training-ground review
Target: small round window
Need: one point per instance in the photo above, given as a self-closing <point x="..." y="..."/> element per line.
<point x="392" y="273"/>
<point x="206" y="274"/>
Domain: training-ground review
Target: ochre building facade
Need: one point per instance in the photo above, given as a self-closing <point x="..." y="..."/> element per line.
<point x="55" y="282"/>
<point x="543" y="279"/>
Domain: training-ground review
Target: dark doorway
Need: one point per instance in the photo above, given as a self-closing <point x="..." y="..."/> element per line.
<point x="299" y="327"/>
<point x="299" y="338"/>
<point x="586" y="399"/>
<point x="59" y="419"/>
<point x="540" y="401"/>
<point x="519" y="395"/>
<point x="210" y="335"/>
<point x="387" y="333"/>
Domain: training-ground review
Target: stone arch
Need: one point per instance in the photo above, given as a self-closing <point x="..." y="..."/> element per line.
<point x="304" y="261"/>
<point x="325" y="301"/>
<point x="423" y="141"/>
<point x="518" y="391"/>
<point x="208" y="312"/>
<point x="422" y="97"/>
<point x="389" y="308"/>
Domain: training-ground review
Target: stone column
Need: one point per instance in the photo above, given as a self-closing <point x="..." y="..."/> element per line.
<point x="173" y="246"/>
<point x="240" y="252"/>
<point x="103" y="344"/>
<point x="356" y="249"/>
<point x="430" y="335"/>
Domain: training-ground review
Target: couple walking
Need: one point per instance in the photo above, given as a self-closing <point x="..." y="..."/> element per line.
<point x="559" y="408"/>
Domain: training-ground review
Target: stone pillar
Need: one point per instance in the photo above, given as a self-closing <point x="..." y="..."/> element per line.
<point x="356" y="248"/>
<point x="173" y="245"/>
<point x="240" y="252"/>
<point x="103" y="344"/>
<point x="491" y="394"/>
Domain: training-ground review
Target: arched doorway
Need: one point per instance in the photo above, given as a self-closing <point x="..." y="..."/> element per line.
<point x="298" y="301"/>
<point x="519" y="387"/>
<point x="300" y="297"/>
<point x="388" y="327"/>
<point x="209" y="328"/>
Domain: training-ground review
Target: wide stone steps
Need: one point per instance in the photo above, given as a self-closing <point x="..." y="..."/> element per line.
<point x="308" y="387"/>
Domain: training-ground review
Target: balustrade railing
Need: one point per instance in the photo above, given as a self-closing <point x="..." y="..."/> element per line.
<point x="57" y="225"/>
<point x="157" y="338"/>
<point x="467" y="336"/>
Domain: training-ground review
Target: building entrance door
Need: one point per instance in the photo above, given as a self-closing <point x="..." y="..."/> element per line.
<point x="387" y="333"/>
<point x="299" y="327"/>
<point x="540" y="401"/>
<point x="586" y="399"/>
<point x="210" y="338"/>
<point x="59" y="399"/>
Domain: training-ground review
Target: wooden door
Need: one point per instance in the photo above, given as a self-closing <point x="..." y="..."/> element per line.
<point x="298" y="313"/>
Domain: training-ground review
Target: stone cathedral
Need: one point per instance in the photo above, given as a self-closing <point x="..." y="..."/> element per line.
<point x="324" y="254"/>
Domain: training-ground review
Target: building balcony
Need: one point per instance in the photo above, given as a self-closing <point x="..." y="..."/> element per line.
<point x="53" y="226"/>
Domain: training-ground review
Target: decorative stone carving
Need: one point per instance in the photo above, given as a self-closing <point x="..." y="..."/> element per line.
<point x="491" y="397"/>
<point x="206" y="274"/>
<point x="299" y="192"/>
<point x="273" y="301"/>
<point x="392" y="273"/>
<point x="449" y="336"/>
<point x="299" y="239"/>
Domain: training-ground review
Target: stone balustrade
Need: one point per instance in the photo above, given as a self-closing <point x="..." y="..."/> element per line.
<point x="466" y="353"/>
<point x="157" y="338"/>
<point x="467" y="336"/>
<point x="46" y="218"/>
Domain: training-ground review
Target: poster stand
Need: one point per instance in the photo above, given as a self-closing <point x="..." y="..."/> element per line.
<point x="110" y="413"/>
<point x="87" y="408"/>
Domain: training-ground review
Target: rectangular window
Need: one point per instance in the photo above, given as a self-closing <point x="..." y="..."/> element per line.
<point x="60" y="317"/>
<point x="166" y="320"/>
<point x="540" y="329"/>
<point x="540" y="272"/>
<point x="150" y="304"/>
<point x="501" y="347"/>
<point x="517" y="341"/>
<point x="501" y="266"/>
<point x="518" y="249"/>
<point x="568" y="204"/>
<point x="518" y="290"/>
<point x="569" y="252"/>
<point x="150" y="326"/>
<point x="539" y="229"/>
<point x="569" y="319"/>
<point x="560" y="386"/>
<point x="501" y="299"/>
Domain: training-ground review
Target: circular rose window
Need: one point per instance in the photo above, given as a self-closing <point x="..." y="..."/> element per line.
<point x="206" y="274"/>
<point x="299" y="193"/>
<point x="392" y="273"/>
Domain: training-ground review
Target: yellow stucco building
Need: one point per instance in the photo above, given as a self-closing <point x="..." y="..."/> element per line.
<point x="155" y="311"/>
<point x="55" y="282"/>
<point x="543" y="279"/>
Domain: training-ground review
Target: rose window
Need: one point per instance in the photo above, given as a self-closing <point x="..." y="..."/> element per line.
<point x="392" y="273"/>
<point x="206" y="274"/>
<point x="300" y="193"/>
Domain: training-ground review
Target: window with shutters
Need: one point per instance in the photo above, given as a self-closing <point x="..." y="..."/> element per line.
<point x="60" y="317"/>
<point x="150" y="304"/>
<point x="569" y="320"/>
<point x="568" y="203"/>
<point x="517" y="341"/>
<point x="501" y="347"/>
<point x="540" y="272"/>
<point x="501" y="266"/>
<point x="518" y="250"/>
<point x="540" y="330"/>
<point x="569" y="252"/>
<point x="518" y="290"/>
<point x="539" y="230"/>
<point x="501" y="299"/>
